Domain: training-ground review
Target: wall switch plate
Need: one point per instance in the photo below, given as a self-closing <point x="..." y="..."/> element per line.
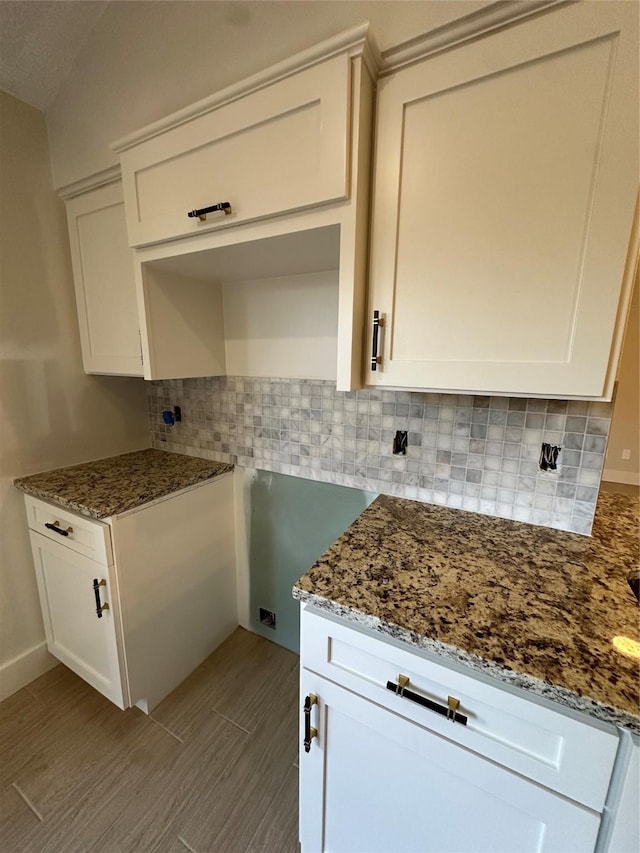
<point x="626" y="455"/>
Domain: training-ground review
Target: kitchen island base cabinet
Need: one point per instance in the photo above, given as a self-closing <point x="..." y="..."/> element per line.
<point x="373" y="782"/>
<point x="383" y="767"/>
<point x="165" y="576"/>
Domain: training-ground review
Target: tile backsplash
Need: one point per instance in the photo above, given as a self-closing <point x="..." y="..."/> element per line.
<point x="475" y="453"/>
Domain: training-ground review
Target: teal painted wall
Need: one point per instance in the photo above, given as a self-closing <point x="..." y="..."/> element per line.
<point x="292" y="522"/>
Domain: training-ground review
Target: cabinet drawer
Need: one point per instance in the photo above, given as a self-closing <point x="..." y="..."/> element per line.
<point x="86" y="536"/>
<point x="566" y="755"/>
<point x="277" y="149"/>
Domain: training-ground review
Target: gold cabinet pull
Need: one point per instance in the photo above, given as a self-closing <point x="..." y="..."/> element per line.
<point x="452" y="706"/>
<point x="96" y="591"/>
<point x="309" y="732"/>
<point x="57" y="529"/>
<point x="450" y="710"/>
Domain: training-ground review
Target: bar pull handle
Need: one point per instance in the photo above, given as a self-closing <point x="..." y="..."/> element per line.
<point x="57" y="529"/>
<point x="378" y="321"/>
<point x="96" y="591"/>
<point x="450" y="710"/>
<point x="201" y="212"/>
<point x="309" y="731"/>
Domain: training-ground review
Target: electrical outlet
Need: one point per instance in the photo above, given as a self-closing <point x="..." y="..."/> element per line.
<point x="400" y="442"/>
<point x="626" y="455"/>
<point x="268" y="618"/>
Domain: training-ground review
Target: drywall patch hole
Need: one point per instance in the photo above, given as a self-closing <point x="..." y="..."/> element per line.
<point x="268" y="618"/>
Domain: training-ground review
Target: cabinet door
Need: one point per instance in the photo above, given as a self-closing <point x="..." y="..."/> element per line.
<point x="505" y="181"/>
<point x="282" y="147"/>
<point x="625" y="834"/>
<point x="104" y="282"/>
<point x="75" y="635"/>
<point x="373" y="782"/>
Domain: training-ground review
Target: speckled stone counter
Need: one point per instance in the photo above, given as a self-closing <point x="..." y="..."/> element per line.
<point x="114" y="485"/>
<point x="536" y="607"/>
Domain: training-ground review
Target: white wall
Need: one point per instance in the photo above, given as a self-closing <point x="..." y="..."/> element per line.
<point x="625" y="423"/>
<point x="145" y="60"/>
<point x="51" y="413"/>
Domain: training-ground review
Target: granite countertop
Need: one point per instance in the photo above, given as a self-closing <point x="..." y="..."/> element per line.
<point x="111" y="486"/>
<point x="535" y="607"/>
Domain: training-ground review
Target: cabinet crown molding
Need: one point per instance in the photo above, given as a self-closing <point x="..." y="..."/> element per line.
<point x="91" y="182"/>
<point x="477" y="24"/>
<point x="352" y="41"/>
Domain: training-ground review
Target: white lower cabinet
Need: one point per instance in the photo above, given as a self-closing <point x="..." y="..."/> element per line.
<point x="624" y="836"/>
<point x="383" y="768"/>
<point x="86" y="643"/>
<point x="374" y="782"/>
<point x="134" y="604"/>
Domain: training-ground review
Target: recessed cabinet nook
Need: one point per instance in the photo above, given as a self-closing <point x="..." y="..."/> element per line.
<point x="503" y="170"/>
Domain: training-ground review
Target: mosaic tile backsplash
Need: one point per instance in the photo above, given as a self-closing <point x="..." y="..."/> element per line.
<point x="476" y="453"/>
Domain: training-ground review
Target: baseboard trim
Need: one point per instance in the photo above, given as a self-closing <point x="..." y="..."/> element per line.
<point x="22" y="669"/>
<point x="629" y="478"/>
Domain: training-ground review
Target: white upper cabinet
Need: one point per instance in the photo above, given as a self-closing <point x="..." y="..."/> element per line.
<point x="103" y="275"/>
<point x="505" y="179"/>
<point x="276" y="287"/>
<point x="281" y="147"/>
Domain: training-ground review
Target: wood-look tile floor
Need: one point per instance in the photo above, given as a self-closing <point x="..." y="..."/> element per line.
<point x="213" y="769"/>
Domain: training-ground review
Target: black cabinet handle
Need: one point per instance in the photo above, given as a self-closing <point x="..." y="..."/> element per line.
<point x="375" y="358"/>
<point x="450" y="710"/>
<point x="309" y="731"/>
<point x="96" y="591"/>
<point x="55" y="527"/>
<point x="201" y="212"/>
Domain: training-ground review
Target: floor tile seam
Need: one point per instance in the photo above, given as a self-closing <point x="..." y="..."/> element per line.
<point x="35" y="697"/>
<point x="187" y="845"/>
<point x="274" y="798"/>
<point x="92" y="778"/>
<point x="231" y="816"/>
<point x="165" y="728"/>
<point x="229" y="720"/>
<point x="216" y="784"/>
<point x="26" y="800"/>
<point x="278" y="685"/>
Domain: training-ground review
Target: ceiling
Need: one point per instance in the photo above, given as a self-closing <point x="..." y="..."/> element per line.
<point x="39" y="42"/>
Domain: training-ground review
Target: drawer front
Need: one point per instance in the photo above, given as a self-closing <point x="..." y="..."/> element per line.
<point x="564" y="754"/>
<point x="85" y="536"/>
<point x="278" y="149"/>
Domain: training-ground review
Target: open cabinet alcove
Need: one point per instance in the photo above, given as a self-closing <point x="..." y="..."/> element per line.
<point x="265" y="307"/>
